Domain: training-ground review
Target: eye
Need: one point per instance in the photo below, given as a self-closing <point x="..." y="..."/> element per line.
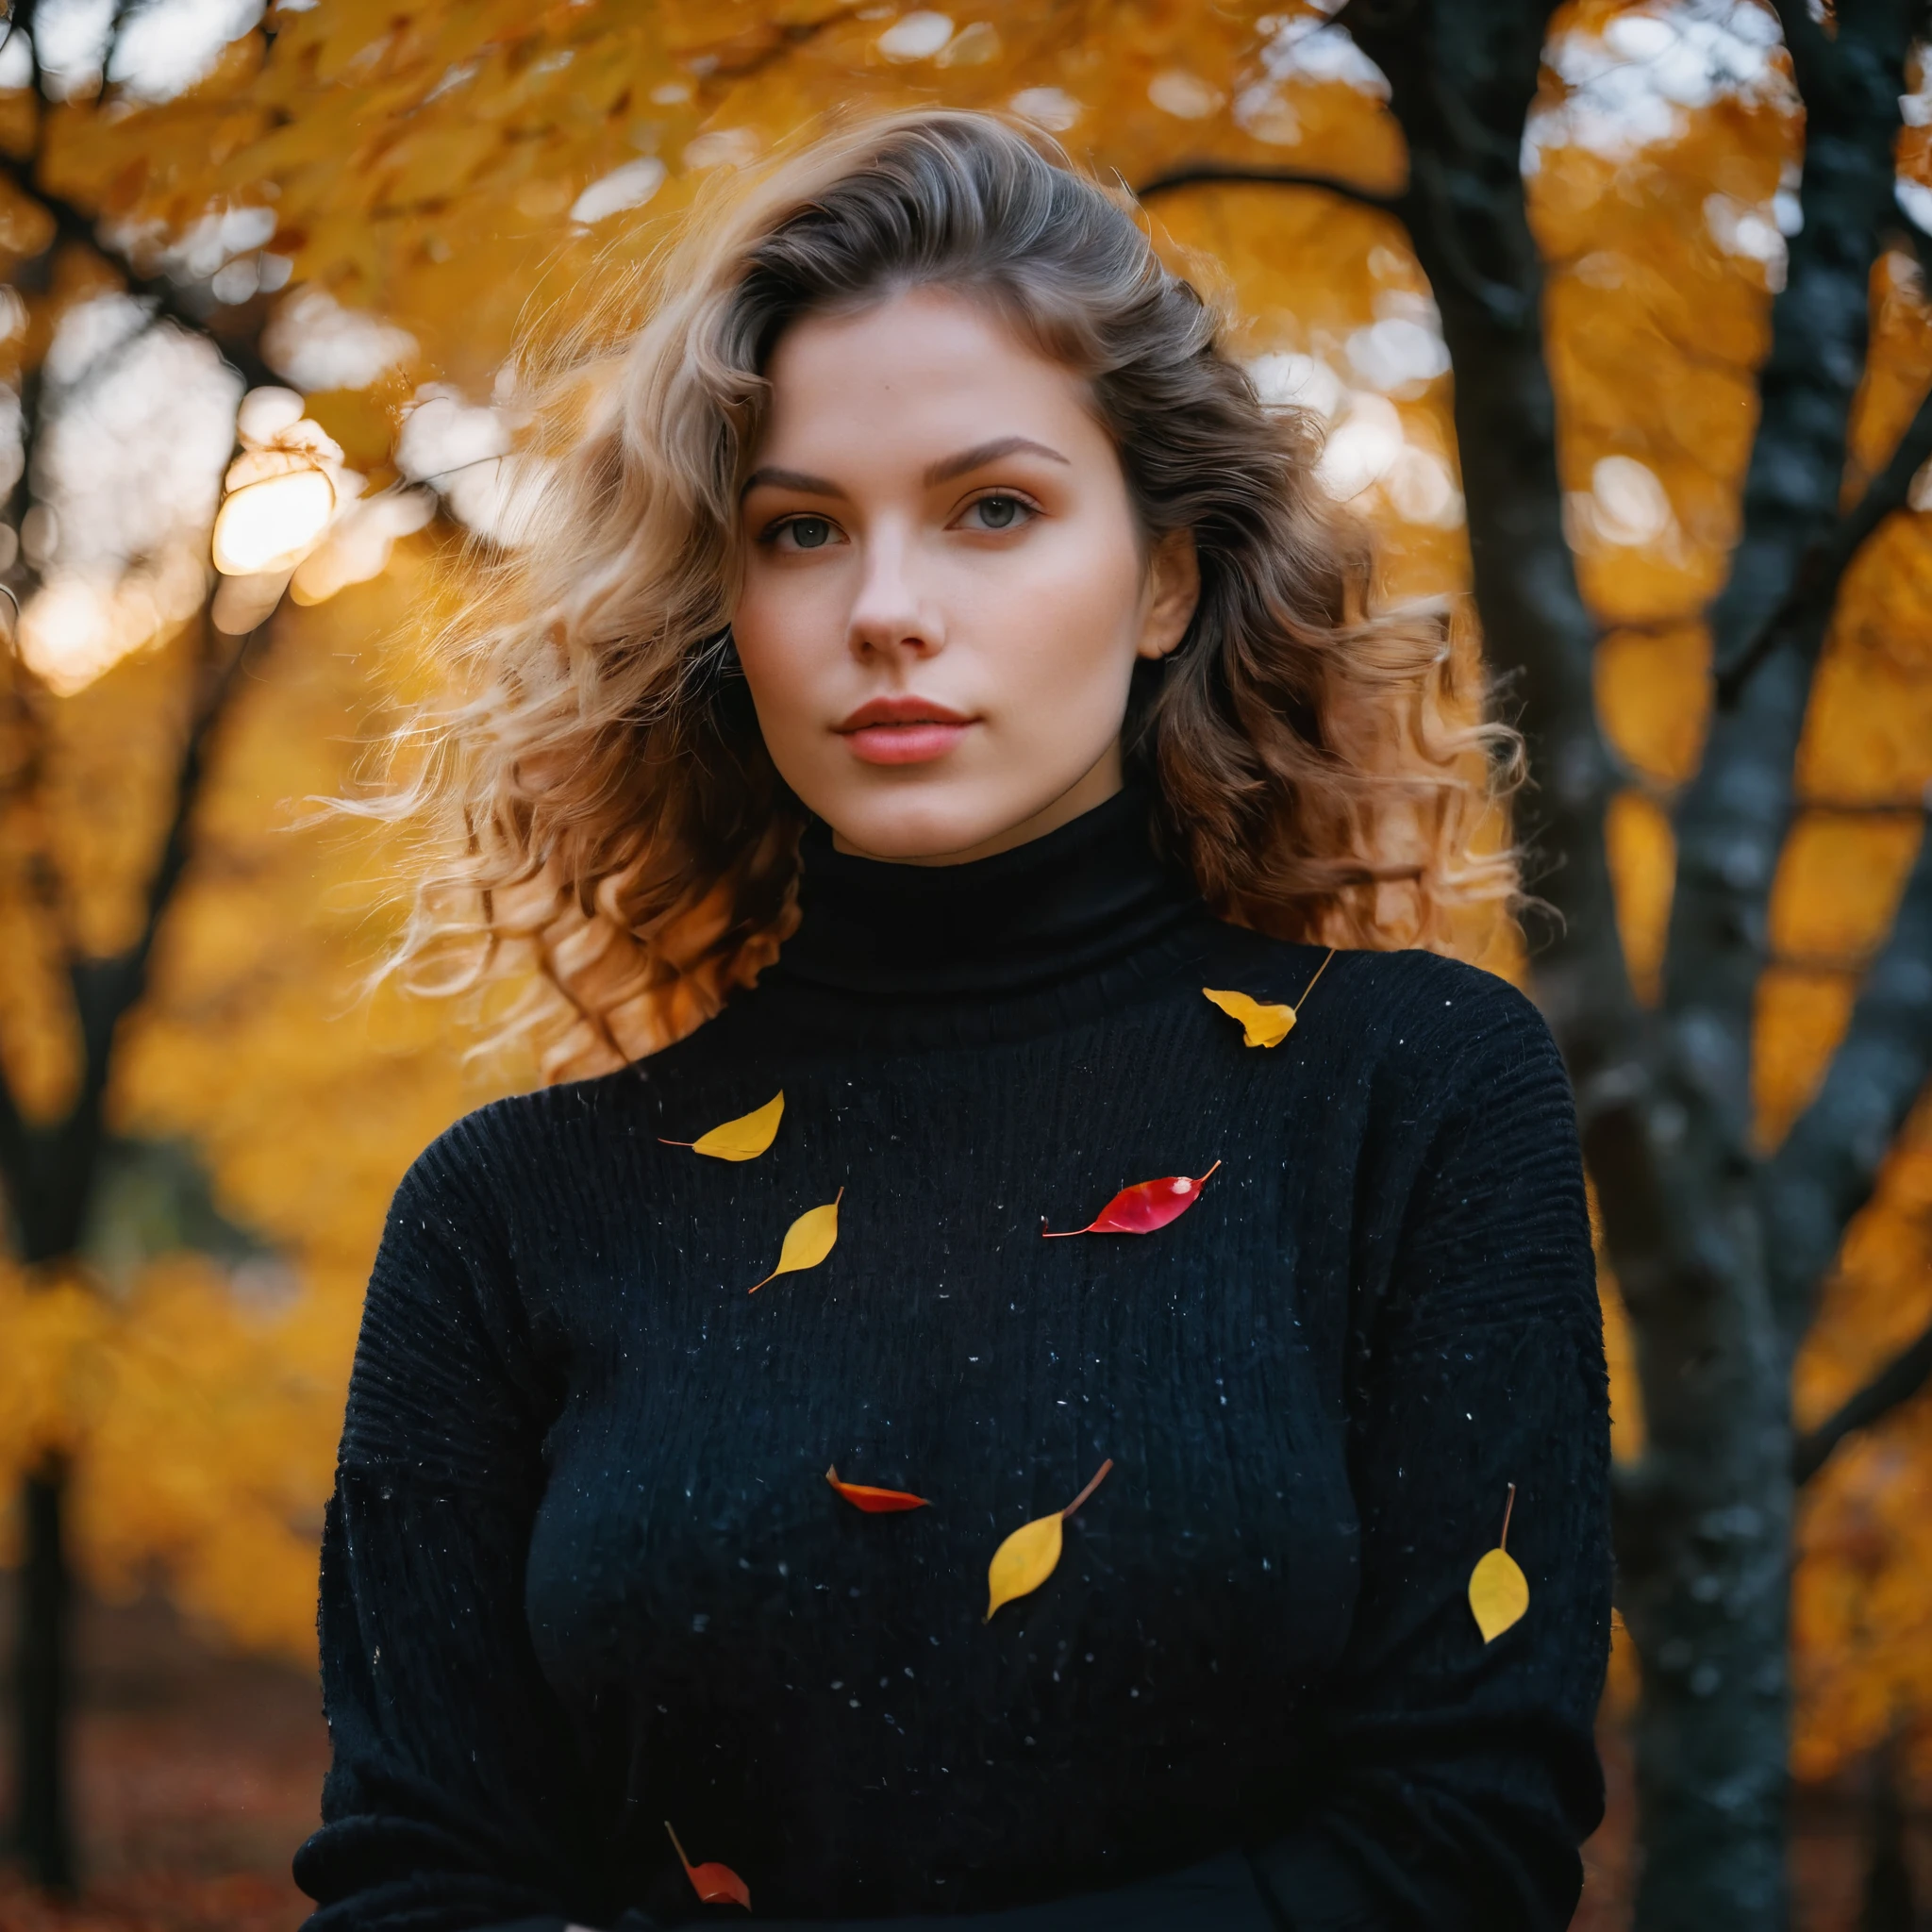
<point x="998" y="512"/>
<point x="801" y="533"/>
<point x="807" y="532"/>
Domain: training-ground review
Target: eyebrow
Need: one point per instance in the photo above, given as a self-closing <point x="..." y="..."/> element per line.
<point x="944" y="470"/>
<point x="791" y="479"/>
<point x="984" y="453"/>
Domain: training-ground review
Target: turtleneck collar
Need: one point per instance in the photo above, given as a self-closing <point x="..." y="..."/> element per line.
<point x="1076" y="900"/>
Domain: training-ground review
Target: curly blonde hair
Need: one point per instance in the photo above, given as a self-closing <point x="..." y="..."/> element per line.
<point x="601" y="822"/>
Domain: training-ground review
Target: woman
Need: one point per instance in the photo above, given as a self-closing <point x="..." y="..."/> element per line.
<point x="928" y="593"/>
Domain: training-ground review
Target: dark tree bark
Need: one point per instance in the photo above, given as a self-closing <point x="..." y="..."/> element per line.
<point x="42" y="1684"/>
<point x="1888" y="1902"/>
<point x="1893" y="1386"/>
<point x="1718" y="1254"/>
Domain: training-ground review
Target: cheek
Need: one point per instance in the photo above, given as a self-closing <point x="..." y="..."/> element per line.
<point x="1071" y="619"/>
<point x="784" y="634"/>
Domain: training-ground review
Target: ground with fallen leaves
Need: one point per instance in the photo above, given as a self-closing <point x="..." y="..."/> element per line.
<point x="196" y="1775"/>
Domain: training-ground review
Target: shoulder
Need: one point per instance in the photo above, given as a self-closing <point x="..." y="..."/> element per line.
<point x="1469" y="1023"/>
<point x="515" y="1143"/>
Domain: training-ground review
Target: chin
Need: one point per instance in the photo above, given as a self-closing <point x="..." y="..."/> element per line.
<point x="916" y="833"/>
<point x="918" y="822"/>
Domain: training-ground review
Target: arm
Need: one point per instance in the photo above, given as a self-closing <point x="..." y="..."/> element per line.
<point x="1466" y="1774"/>
<point x="455" y="1800"/>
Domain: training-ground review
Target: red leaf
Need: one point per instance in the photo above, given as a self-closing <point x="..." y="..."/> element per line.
<point x="715" y="1885"/>
<point x="1141" y="1208"/>
<point x="876" y="1502"/>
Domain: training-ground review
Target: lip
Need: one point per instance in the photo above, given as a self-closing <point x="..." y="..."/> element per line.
<point x="903" y="730"/>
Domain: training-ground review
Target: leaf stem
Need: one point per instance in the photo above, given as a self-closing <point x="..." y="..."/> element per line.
<point x="1509" y="1507"/>
<point x="1098" y="1473"/>
<point x="677" y="1848"/>
<point x="1310" y="987"/>
<point x="1204" y="1176"/>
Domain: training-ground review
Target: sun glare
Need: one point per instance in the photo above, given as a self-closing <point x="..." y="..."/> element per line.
<point x="271" y="525"/>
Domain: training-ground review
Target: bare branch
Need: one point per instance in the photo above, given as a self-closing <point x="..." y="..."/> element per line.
<point x="1470" y="229"/>
<point x="17" y="1174"/>
<point x="107" y="989"/>
<point x="1212" y="174"/>
<point x="1896" y="1383"/>
<point x="65" y="1157"/>
<point x="1814" y="590"/>
<point x="1850" y="76"/>
<point x="1735" y="814"/>
<point x="14" y="1157"/>
<point x="1829" y="1161"/>
<point x="73" y="223"/>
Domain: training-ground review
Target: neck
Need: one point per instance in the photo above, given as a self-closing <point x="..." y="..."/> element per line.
<point x="1080" y="897"/>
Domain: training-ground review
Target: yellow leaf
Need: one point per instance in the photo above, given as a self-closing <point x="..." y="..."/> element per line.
<point x="1498" y="1593"/>
<point x="1028" y="1556"/>
<point x="1260" y="1025"/>
<point x="1264" y="1025"/>
<point x="744" y="1139"/>
<point x="1024" y="1561"/>
<point x="807" y="1240"/>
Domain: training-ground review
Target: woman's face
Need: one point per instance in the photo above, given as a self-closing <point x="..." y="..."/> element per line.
<point x="944" y="591"/>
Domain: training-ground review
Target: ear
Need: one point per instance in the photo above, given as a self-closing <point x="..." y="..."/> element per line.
<point x="1173" y="588"/>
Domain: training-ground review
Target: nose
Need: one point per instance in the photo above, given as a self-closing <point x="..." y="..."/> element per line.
<point x="893" y="612"/>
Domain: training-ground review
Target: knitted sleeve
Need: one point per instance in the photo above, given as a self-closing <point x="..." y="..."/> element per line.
<point x="1461" y="1777"/>
<point x="455" y="1799"/>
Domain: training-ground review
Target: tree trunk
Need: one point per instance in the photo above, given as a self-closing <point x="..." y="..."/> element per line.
<point x="1888" y="1904"/>
<point x="1664" y="1100"/>
<point x="1703" y="1533"/>
<point x="1702" y="1582"/>
<point x="45" y="1839"/>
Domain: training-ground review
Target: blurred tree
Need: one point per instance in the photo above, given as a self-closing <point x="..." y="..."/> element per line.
<point x="1659" y="242"/>
<point x="152" y="1352"/>
<point x="1720" y="1244"/>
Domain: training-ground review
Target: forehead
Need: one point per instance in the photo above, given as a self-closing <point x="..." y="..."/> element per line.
<point x="923" y="363"/>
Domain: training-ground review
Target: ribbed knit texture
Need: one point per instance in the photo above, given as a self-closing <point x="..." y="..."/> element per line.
<point x="582" y="1572"/>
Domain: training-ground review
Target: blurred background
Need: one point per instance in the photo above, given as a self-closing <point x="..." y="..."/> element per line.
<point x="1617" y="317"/>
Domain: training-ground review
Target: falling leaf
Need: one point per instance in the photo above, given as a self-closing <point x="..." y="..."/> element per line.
<point x="1141" y="1208"/>
<point x="1262" y="1025"/>
<point x="807" y="1240"/>
<point x="744" y="1139"/>
<point x="874" y="1501"/>
<point x="715" y="1885"/>
<point x="1498" y="1591"/>
<point x="1028" y="1556"/>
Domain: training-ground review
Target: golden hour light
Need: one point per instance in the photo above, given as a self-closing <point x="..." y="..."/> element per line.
<point x="271" y="525"/>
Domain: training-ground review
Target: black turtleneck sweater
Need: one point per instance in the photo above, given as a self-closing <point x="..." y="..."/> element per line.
<point x="583" y="1573"/>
